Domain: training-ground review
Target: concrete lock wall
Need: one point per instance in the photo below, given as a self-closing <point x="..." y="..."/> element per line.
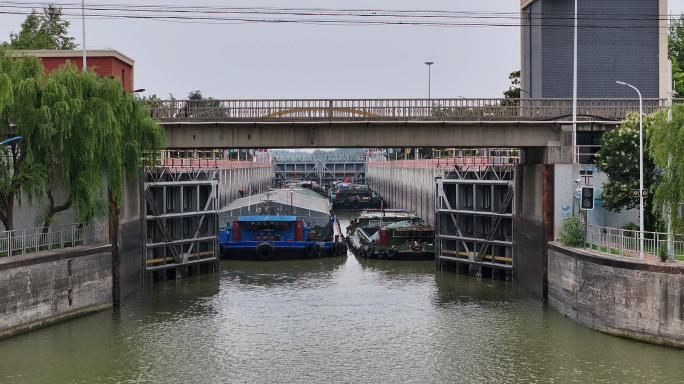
<point x="408" y="188"/>
<point x="46" y="287"/>
<point x="127" y="253"/>
<point x="533" y="226"/>
<point x="250" y="179"/>
<point x="642" y="300"/>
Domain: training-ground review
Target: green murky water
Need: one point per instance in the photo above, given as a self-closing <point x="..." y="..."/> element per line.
<point x="335" y="320"/>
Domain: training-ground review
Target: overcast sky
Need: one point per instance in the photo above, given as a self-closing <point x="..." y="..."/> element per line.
<point x="286" y="61"/>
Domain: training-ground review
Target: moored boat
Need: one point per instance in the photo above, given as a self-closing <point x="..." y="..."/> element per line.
<point x="392" y="237"/>
<point x="280" y="225"/>
<point x="354" y="196"/>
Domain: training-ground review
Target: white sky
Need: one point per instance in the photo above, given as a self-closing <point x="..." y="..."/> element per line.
<point x="286" y="61"/>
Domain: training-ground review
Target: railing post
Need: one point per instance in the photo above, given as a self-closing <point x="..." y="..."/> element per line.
<point x="621" y="238"/>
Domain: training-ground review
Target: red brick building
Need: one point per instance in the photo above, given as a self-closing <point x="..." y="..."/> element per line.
<point x="105" y="62"/>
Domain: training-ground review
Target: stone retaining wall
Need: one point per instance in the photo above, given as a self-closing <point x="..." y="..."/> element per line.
<point x="642" y="300"/>
<point x="43" y="288"/>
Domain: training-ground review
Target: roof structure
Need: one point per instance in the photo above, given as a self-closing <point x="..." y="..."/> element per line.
<point x="313" y="210"/>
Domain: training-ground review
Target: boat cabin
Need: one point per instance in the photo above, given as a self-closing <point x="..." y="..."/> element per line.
<point x="395" y="235"/>
<point x="267" y="228"/>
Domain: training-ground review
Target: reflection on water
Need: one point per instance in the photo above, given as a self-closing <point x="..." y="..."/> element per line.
<point x="337" y="320"/>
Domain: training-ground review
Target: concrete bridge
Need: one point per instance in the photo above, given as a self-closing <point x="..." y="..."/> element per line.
<point x="512" y="123"/>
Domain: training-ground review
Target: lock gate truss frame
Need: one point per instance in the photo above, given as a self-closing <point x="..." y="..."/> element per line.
<point x="474" y="220"/>
<point x="323" y="172"/>
<point x="181" y="222"/>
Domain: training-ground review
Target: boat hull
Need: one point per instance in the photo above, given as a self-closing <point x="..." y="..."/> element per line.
<point x="400" y="255"/>
<point x="280" y="250"/>
<point x="395" y="252"/>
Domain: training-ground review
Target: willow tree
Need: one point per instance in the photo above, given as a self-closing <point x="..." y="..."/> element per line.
<point x="666" y="143"/>
<point x="78" y="129"/>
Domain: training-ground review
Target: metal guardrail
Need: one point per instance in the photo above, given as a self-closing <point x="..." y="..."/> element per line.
<point x="448" y="162"/>
<point x="624" y="242"/>
<point x="23" y="241"/>
<point x="396" y="109"/>
<point x="207" y="163"/>
<point x="318" y="158"/>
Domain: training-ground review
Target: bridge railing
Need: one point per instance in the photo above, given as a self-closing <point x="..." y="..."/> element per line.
<point x="396" y="109"/>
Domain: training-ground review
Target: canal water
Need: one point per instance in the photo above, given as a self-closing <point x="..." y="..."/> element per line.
<point x="331" y="320"/>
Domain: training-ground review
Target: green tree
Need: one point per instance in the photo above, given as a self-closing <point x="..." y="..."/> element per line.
<point x="513" y="91"/>
<point x="666" y="143"/>
<point x="619" y="159"/>
<point x="46" y="31"/>
<point x="77" y="129"/>
<point x="676" y="51"/>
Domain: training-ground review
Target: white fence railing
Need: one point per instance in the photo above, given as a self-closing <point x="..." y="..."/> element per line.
<point x="624" y="242"/>
<point x="23" y="241"/>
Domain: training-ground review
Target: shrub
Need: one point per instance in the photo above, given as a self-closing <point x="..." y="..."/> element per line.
<point x="630" y="227"/>
<point x="662" y="252"/>
<point x="572" y="233"/>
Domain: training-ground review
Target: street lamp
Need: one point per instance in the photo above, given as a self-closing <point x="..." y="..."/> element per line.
<point x="84" y="41"/>
<point x="429" y="64"/>
<point x="641" y="171"/>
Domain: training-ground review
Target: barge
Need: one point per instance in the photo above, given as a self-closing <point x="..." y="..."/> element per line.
<point x="397" y="236"/>
<point x="354" y="196"/>
<point x="278" y="225"/>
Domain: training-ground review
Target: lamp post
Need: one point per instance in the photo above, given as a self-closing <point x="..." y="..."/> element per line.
<point x="84" y="41"/>
<point x="429" y="64"/>
<point x="575" y="154"/>
<point x="641" y="171"/>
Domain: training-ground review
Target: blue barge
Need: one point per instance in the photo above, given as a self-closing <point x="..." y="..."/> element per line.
<point x="286" y="225"/>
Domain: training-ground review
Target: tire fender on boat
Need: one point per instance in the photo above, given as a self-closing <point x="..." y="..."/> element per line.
<point x="265" y="251"/>
<point x="369" y="251"/>
<point x="309" y="249"/>
<point x="223" y="251"/>
<point x="347" y="201"/>
<point x="318" y="250"/>
<point x="391" y="252"/>
<point x="355" y="204"/>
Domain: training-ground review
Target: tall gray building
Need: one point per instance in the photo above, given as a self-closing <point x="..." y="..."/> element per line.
<point x="622" y="40"/>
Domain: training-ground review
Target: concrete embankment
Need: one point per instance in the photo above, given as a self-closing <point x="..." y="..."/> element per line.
<point x="43" y="288"/>
<point x="637" y="299"/>
<point x="405" y="186"/>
